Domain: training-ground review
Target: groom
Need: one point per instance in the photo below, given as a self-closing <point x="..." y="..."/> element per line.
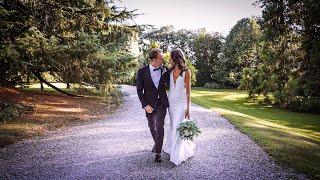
<point x="151" y="82"/>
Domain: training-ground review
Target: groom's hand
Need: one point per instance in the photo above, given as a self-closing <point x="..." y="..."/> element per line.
<point x="149" y="109"/>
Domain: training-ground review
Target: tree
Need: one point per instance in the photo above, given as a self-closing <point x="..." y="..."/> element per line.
<point x="75" y="41"/>
<point x="206" y="48"/>
<point x="241" y="48"/>
<point x="289" y="56"/>
<point x="166" y="38"/>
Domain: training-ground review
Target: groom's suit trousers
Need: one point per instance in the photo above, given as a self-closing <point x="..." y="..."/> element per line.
<point x="156" y="123"/>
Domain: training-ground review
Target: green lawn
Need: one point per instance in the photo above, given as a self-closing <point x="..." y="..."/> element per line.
<point x="293" y="139"/>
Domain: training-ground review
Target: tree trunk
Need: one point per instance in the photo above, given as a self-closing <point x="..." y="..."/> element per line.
<point x="37" y="74"/>
<point x="41" y="85"/>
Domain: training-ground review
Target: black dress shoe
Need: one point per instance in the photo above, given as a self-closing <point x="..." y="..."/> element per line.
<point x="158" y="158"/>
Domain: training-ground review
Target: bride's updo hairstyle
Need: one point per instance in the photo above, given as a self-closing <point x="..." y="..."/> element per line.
<point x="178" y="59"/>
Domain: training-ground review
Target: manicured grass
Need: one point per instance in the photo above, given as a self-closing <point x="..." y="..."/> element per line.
<point x="293" y="139"/>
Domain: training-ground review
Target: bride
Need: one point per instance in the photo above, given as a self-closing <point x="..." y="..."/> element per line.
<point x="179" y="108"/>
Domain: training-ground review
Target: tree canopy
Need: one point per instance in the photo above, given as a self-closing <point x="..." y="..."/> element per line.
<point x="85" y="42"/>
<point x="289" y="63"/>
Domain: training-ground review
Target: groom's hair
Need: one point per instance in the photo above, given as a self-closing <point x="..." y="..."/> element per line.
<point x="153" y="53"/>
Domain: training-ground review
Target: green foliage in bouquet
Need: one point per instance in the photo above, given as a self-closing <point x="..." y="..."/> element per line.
<point x="188" y="130"/>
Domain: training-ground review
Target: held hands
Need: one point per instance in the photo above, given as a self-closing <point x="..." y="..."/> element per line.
<point x="149" y="109"/>
<point x="187" y="114"/>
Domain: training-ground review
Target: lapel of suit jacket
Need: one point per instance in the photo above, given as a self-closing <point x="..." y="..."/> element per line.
<point x="161" y="75"/>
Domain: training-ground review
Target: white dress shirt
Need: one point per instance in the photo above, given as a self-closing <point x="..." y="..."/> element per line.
<point x="155" y="75"/>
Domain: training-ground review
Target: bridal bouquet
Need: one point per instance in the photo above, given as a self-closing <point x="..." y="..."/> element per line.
<point x="188" y="130"/>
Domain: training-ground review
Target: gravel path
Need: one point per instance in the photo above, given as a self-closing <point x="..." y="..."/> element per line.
<point x="119" y="148"/>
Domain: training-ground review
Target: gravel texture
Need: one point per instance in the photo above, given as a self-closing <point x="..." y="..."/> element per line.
<point x="119" y="147"/>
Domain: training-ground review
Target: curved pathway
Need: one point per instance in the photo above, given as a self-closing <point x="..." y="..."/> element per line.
<point x="118" y="147"/>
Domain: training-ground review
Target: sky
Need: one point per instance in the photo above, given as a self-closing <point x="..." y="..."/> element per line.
<point x="214" y="15"/>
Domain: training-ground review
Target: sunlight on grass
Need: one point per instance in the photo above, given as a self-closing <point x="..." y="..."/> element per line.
<point x="68" y="109"/>
<point x="21" y="127"/>
<point x="292" y="138"/>
<point x="58" y="85"/>
<point x="267" y="123"/>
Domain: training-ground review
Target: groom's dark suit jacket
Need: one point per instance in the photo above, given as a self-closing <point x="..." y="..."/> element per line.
<point x="147" y="91"/>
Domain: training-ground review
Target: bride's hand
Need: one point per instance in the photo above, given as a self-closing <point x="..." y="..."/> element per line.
<point x="187" y="114"/>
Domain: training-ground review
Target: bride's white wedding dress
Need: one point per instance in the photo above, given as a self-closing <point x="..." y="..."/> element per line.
<point x="178" y="149"/>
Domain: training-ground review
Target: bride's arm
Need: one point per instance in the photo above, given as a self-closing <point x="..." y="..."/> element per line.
<point x="188" y="91"/>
